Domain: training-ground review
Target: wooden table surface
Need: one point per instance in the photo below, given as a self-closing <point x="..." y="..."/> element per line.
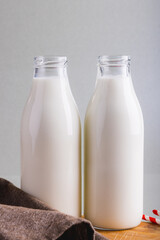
<point x="144" y="231"/>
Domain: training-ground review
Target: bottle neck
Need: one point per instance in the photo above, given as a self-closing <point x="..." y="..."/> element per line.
<point x="113" y="66"/>
<point x="106" y="71"/>
<point x="55" y="72"/>
<point x="50" y="66"/>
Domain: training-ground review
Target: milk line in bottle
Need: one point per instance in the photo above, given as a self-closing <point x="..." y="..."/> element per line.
<point x="113" y="149"/>
<point x="51" y="138"/>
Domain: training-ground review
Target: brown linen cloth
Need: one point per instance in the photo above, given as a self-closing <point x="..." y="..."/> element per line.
<point x="23" y="217"/>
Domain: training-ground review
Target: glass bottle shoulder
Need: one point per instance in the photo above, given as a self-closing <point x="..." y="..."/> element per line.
<point x="114" y="99"/>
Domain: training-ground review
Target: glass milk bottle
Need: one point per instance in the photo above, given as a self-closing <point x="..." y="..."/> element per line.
<point x="114" y="148"/>
<point x="51" y="138"/>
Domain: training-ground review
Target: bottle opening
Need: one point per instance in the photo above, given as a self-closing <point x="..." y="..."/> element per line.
<point x="50" y="61"/>
<point x="114" y="61"/>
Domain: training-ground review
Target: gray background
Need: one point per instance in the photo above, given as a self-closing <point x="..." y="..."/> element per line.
<point x="81" y="30"/>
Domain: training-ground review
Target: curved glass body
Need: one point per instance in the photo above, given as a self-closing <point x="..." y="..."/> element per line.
<point x="51" y="138"/>
<point x="114" y="149"/>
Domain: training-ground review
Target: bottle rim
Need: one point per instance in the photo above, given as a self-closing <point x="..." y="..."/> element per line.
<point x="50" y="61"/>
<point x="114" y="60"/>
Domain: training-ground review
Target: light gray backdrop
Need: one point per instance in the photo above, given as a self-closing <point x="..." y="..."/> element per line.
<point x="81" y="30"/>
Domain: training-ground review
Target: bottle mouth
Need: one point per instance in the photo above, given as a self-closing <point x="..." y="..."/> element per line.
<point x="114" y="61"/>
<point x="50" y="61"/>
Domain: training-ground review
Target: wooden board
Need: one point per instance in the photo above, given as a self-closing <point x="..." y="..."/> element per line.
<point x="143" y="231"/>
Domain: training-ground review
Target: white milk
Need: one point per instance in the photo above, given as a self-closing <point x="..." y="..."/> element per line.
<point x="50" y="145"/>
<point x="114" y="155"/>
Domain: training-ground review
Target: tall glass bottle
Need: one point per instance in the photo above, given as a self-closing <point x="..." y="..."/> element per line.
<point x="114" y="148"/>
<point x="51" y="138"/>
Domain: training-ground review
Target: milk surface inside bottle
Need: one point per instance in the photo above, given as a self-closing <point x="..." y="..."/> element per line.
<point x="113" y="149"/>
<point x="51" y="138"/>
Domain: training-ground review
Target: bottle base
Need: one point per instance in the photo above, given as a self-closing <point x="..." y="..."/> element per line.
<point x="113" y="229"/>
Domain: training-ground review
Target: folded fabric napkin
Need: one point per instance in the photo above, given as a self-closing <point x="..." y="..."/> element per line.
<point x="23" y="217"/>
